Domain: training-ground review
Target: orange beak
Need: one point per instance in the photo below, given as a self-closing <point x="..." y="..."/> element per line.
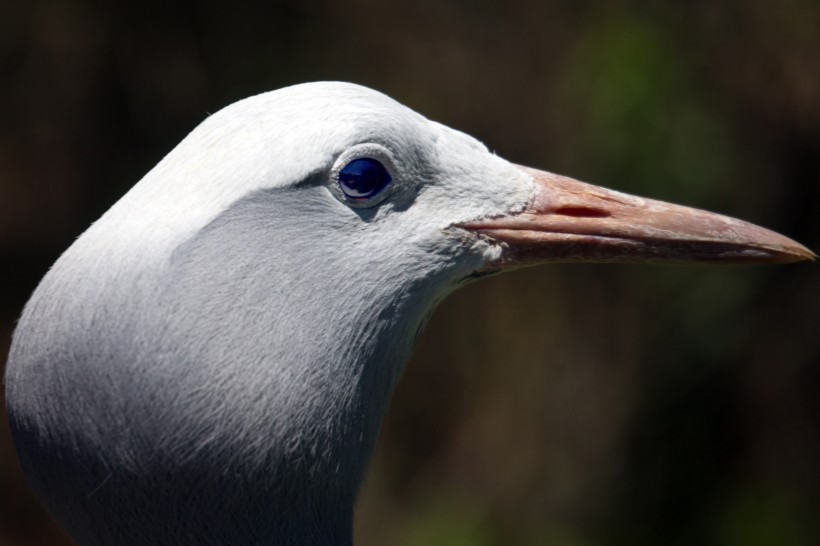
<point x="571" y="221"/>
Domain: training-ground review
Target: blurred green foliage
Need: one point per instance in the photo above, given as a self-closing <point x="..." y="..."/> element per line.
<point x="639" y="118"/>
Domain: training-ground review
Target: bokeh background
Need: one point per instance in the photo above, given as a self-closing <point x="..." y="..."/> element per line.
<point x="564" y="405"/>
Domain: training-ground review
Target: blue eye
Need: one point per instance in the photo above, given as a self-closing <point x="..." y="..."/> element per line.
<point x="363" y="178"/>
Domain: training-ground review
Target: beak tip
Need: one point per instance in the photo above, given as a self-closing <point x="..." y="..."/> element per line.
<point x="790" y="251"/>
<point x="803" y="254"/>
<point x="776" y="254"/>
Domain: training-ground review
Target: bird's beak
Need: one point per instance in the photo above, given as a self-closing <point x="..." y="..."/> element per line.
<point x="570" y="221"/>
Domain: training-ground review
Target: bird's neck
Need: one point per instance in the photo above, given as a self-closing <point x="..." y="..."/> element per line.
<point x="301" y="404"/>
<point x="297" y="369"/>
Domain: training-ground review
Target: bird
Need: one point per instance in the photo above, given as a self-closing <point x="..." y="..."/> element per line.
<point x="209" y="363"/>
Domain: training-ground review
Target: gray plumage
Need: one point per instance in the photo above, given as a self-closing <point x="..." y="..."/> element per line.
<point x="210" y="362"/>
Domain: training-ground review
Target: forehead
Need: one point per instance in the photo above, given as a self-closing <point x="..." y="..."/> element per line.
<point x="331" y="114"/>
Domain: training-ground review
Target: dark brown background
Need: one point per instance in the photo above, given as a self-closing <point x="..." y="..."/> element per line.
<point x="561" y="405"/>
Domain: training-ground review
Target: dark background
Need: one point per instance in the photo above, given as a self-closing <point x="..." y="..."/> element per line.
<point x="562" y="405"/>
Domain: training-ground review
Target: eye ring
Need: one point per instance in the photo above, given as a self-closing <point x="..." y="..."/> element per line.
<point x="363" y="178"/>
<point x="378" y="158"/>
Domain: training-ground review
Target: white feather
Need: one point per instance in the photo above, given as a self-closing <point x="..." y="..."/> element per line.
<point x="210" y="362"/>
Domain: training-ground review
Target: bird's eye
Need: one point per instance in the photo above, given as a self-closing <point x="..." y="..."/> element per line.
<point x="363" y="178"/>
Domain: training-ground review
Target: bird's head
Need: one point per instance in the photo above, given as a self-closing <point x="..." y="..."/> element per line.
<point x="330" y="213"/>
<point x="353" y="169"/>
<point x="320" y="224"/>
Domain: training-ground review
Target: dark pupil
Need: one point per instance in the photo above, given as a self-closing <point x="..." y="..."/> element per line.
<point x="363" y="178"/>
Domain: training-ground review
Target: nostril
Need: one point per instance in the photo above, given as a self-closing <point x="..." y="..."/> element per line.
<point x="582" y="212"/>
